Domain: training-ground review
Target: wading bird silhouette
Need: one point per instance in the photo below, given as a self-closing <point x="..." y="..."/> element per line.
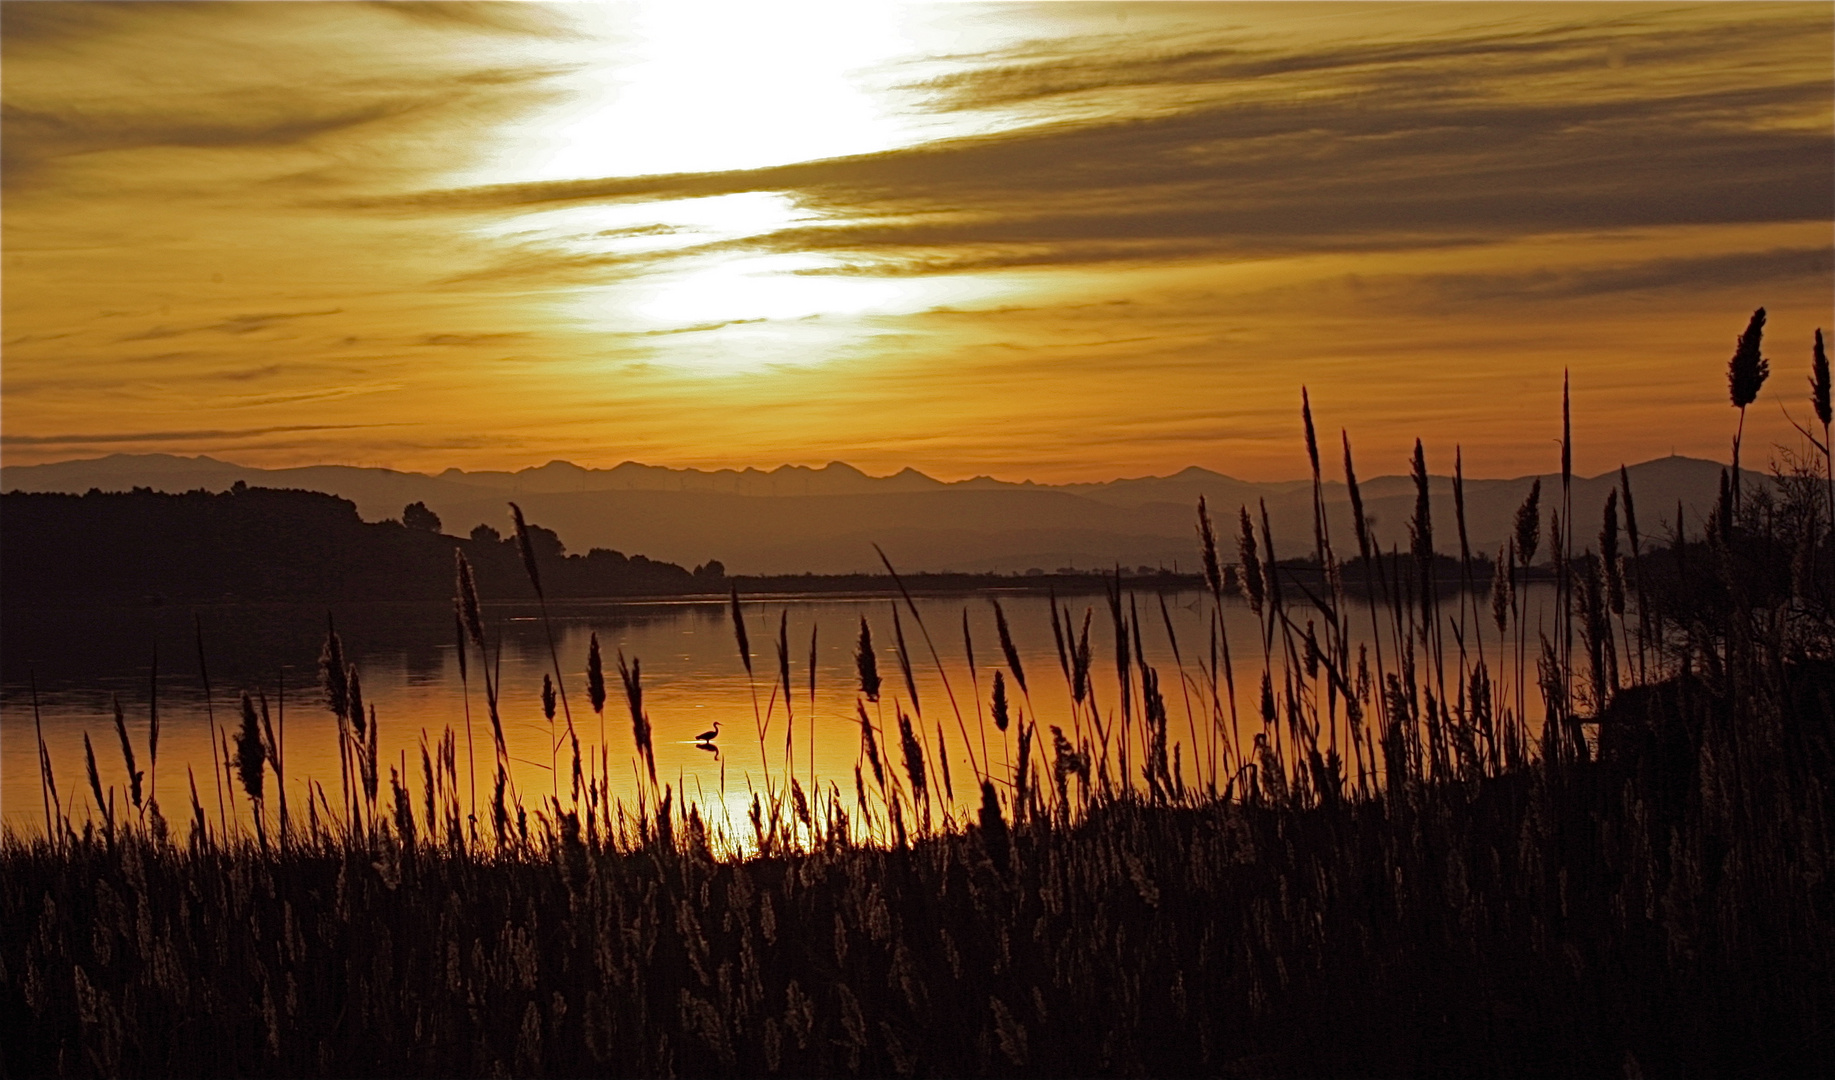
<point x="709" y="736"/>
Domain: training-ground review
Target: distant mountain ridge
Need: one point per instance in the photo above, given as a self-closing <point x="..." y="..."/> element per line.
<point x="797" y="519"/>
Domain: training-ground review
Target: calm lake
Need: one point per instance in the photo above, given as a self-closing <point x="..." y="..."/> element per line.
<point x="83" y="659"/>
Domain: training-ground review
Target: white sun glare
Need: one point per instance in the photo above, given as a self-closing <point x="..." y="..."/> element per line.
<point x="650" y="89"/>
<point x="698" y="87"/>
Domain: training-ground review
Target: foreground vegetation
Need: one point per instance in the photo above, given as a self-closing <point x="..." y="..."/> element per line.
<point x="1399" y="875"/>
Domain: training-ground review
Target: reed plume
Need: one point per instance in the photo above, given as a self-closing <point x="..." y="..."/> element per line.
<point x="595" y="683"/>
<point x="1080" y="664"/>
<point x="744" y="643"/>
<point x="468" y="599"/>
<point x="1270" y="566"/>
<point x="1057" y="635"/>
<point x="1321" y="532"/>
<point x="134" y="775"/>
<point x="595" y="675"/>
<point x="866" y="662"/>
<point x="1000" y="702"/>
<point x="251" y="752"/>
<point x="103" y="807"/>
<point x="526" y="549"/>
<point x="632" y="677"/>
<point x="333" y="676"/>
<point x="1207" y="547"/>
<point x="273" y="757"/>
<point x="1609" y="558"/>
<point x="525" y="544"/>
<point x="1529" y="524"/>
<point x="358" y="719"/>
<point x="1819" y="383"/>
<point x="47" y="782"/>
<point x="1502" y="591"/>
<point x="1746" y="373"/>
<point x="904" y="661"/>
<point x="1421" y="526"/>
<point x="949" y="790"/>
<point x="871" y="745"/>
<point x="1819" y="400"/>
<point x="739" y="634"/>
<point x="554" y="746"/>
<point x="1006" y="647"/>
<point x="914" y="759"/>
<point x="1252" y="580"/>
<point x="1359" y="522"/>
<point x="1023" y="771"/>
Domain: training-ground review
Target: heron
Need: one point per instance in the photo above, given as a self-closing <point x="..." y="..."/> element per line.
<point x="709" y="736"/>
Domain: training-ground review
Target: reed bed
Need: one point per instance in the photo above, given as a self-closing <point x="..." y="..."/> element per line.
<point x="1396" y="872"/>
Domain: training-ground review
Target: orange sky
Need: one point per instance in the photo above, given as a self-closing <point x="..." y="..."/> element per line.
<point x="1040" y="241"/>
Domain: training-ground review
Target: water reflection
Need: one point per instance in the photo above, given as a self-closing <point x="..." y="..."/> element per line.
<point x="693" y="680"/>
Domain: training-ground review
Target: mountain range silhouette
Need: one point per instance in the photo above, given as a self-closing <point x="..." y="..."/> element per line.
<point x="796" y="519"/>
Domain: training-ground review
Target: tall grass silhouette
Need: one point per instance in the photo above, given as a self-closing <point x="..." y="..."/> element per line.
<point x="1386" y="867"/>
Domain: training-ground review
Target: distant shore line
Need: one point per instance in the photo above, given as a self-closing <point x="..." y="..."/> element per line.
<point x="790" y="586"/>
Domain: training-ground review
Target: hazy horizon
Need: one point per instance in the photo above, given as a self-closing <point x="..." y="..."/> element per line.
<point x="894" y="473"/>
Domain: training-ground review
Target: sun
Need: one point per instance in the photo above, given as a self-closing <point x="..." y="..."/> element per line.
<point x="707" y="87"/>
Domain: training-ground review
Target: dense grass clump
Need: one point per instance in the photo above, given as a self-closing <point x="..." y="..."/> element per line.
<point x="1544" y="922"/>
<point x="1398" y="874"/>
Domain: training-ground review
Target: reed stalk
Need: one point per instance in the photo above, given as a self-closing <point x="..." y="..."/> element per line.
<point x="210" y="714"/>
<point x="1819" y="402"/>
<point x="936" y="659"/>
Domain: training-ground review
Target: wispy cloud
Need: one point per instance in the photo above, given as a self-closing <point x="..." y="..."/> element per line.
<point x="1386" y="146"/>
<point x="235" y="325"/>
<point x="194" y="435"/>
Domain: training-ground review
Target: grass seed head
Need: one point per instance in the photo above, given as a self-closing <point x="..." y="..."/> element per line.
<point x="1358" y="521"/>
<point x="1000" y="701"/>
<point x="1819" y="381"/>
<point x="1207" y="543"/>
<point x="1253" y="583"/>
<point x="251" y="752"/>
<point x="1529" y="523"/>
<point x="134" y="775"/>
<point x="1006" y="647"/>
<point x="468" y="598"/>
<point x="1501" y="590"/>
<point x="1747" y="370"/>
<point x="871" y="744"/>
<point x="595" y="675"/>
<point x="739" y="634"/>
<point x="1608" y="555"/>
<point x="333" y="676"/>
<point x="914" y="756"/>
<point x="1624" y="485"/>
<point x="866" y="662"/>
<point x="528" y="550"/>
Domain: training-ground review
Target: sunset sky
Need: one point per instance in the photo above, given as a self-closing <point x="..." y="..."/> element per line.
<point x="1045" y="241"/>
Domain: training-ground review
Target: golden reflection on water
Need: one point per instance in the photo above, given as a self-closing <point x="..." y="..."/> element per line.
<point x="692" y="679"/>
